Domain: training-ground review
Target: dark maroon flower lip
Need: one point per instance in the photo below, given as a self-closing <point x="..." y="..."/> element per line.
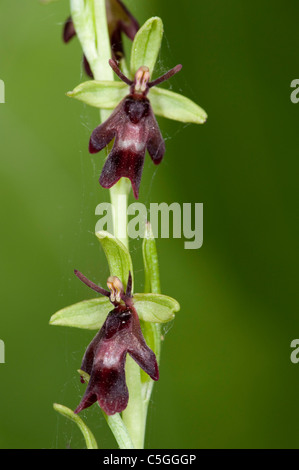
<point x="135" y="129"/>
<point x="104" y="359"/>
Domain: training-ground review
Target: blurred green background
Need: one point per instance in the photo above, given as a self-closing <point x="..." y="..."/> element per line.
<point x="226" y="376"/>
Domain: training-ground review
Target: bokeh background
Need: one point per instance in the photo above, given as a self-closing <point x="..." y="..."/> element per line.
<point x="226" y="376"/>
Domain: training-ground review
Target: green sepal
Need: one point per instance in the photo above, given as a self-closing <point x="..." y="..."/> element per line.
<point x="91" y="443"/>
<point x="118" y="256"/>
<point x="165" y="103"/>
<point x="91" y="314"/>
<point x="88" y="314"/>
<point x="174" y="106"/>
<point x="146" y="45"/>
<point x="155" y="308"/>
<point x="104" y="94"/>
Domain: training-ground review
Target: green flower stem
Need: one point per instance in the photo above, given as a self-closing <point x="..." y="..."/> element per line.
<point x="133" y="415"/>
<point x="152" y="331"/>
<point x="152" y="281"/>
<point x="119" y="431"/>
<point x="151" y="262"/>
<point x="119" y="195"/>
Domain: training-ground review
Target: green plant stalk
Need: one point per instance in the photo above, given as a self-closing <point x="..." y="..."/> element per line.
<point x="119" y="431"/>
<point x="119" y="196"/>
<point x="133" y="415"/>
<point x="152" y="331"/>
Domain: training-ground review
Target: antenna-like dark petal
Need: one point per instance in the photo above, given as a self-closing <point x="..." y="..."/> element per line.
<point x="166" y="76"/>
<point x="91" y="284"/>
<point x="119" y="73"/>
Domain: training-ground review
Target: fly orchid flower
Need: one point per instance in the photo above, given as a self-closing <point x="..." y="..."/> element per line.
<point x="135" y="129"/>
<point x="104" y="359"/>
<point x="119" y="20"/>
